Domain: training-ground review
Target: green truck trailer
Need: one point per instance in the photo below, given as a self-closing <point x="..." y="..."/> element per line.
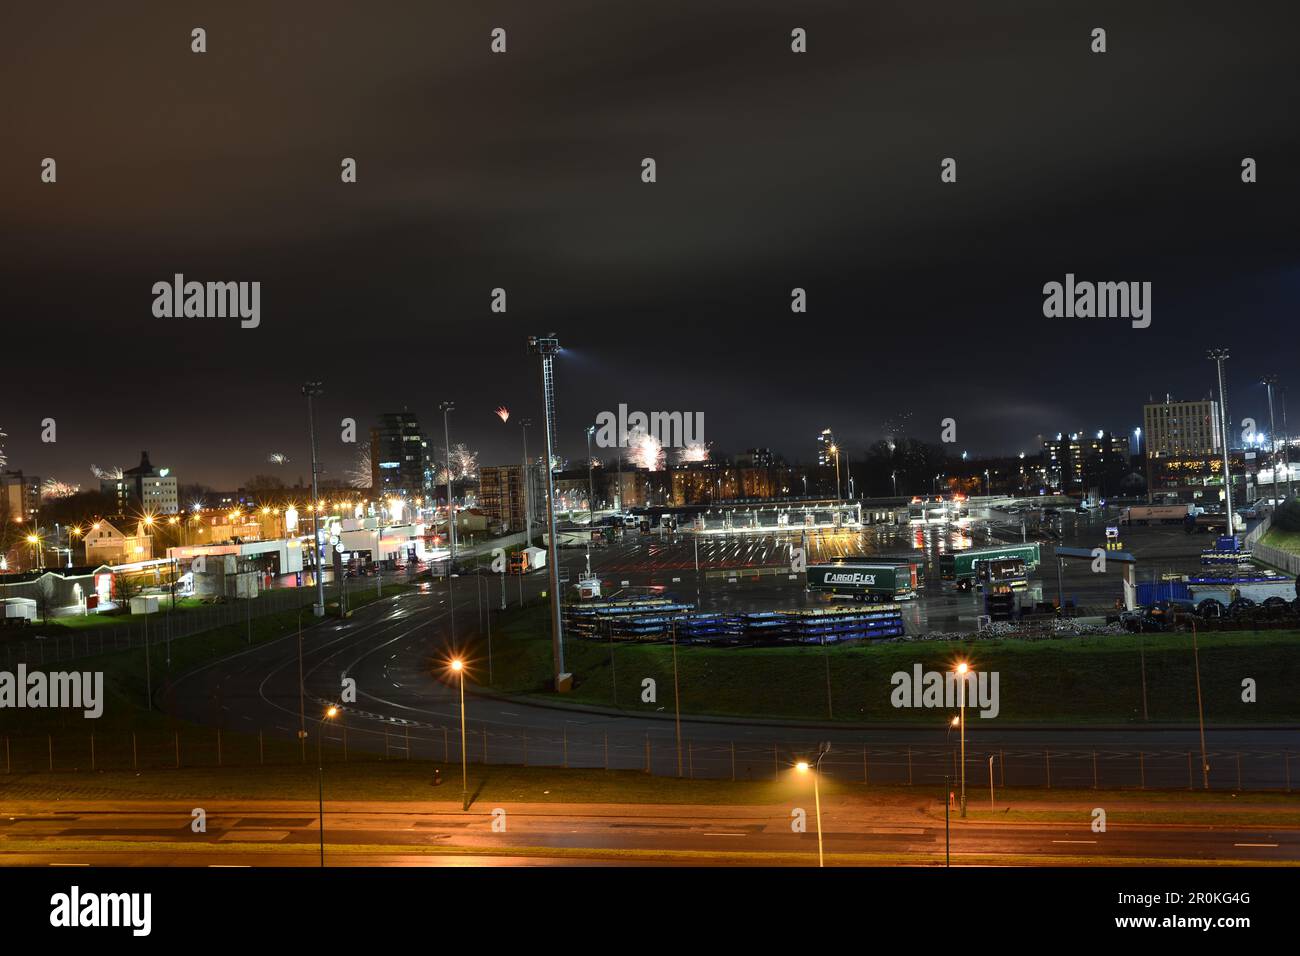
<point x="864" y="581"/>
<point x="961" y="566"/>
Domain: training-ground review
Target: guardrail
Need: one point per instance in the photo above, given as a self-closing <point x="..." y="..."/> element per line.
<point x="658" y="753"/>
<point x="1282" y="560"/>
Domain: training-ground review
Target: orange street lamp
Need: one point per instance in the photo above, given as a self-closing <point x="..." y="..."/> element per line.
<point x="962" y="670"/>
<point x="330" y="714"/>
<point x="804" y="767"/>
<point x="458" y="668"/>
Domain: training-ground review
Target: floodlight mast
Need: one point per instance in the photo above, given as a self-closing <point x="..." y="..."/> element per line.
<point x="547" y="347"/>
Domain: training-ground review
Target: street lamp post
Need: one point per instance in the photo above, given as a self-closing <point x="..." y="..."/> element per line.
<point x="591" y="480"/>
<point x="458" y="668"/>
<point x="835" y="450"/>
<point x="1219" y="356"/>
<point x="320" y="777"/>
<point x="311" y="390"/>
<point x="447" y="408"/>
<point x="815" y="769"/>
<point x="1270" y="381"/>
<point x="528" y="503"/>
<point x="1286" y="444"/>
<point x="962" y="670"/>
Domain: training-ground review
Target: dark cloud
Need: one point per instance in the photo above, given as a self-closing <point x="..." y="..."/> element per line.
<point x="521" y="171"/>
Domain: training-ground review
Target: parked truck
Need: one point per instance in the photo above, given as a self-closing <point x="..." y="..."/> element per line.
<point x="862" y="581"/>
<point x="961" y="567"/>
<point x="1157" y="514"/>
<point x="528" y="559"/>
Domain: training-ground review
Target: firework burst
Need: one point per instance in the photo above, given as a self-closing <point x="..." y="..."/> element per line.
<point x="278" y="458"/>
<point x="52" y="488"/>
<point x="112" y="473"/>
<point x="695" y="451"/>
<point x="503" y="413"/>
<point x="646" y="451"/>
<point x="359" y="474"/>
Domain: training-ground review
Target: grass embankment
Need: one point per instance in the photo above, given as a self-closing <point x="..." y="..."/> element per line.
<point x="1282" y="540"/>
<point x="79" y="622"/>
<point x="126" y="689"/>
<point x="1074" y="679"/>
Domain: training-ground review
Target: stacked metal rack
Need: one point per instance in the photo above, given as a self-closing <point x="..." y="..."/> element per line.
<point x="655" y="620"/>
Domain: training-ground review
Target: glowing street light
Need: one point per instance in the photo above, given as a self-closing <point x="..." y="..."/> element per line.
<point x="458" y="668"/>
<point x="962" y="669"/>
<point x="803" y="767"/>
<point x="330" y="714"/>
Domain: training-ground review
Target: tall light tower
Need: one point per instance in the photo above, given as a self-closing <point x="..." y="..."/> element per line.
<point x="591" y="481"/>
<point x="1286" y="444"/>
<point x="311" y="390"/>
<point x="447" y="408"/>
<point x="547" y="347"/>
<point x="1270" y="381"/>
<point x="1219" y="356"/>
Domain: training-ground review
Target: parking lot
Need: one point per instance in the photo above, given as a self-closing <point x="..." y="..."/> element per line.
<point x="750" y="572"/>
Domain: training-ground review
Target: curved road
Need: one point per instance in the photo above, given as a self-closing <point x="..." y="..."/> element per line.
<point x="393" y="649"/>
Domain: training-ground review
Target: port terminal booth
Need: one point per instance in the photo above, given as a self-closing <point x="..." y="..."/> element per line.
<point x="1126" y="561"/>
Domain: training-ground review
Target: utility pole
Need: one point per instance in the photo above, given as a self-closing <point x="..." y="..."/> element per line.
<point x="590" y="479"/>
<point x="1270" y="381"/>
<point x="528" y="495"/>
<point x="311" y="390"/>
<point x="1286" y="444"/>
<point x="451" y="508"/>
<point x="1219" y="356"/>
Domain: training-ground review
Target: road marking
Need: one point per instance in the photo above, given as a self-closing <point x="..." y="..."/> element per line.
<point x="1255" y="844"/>
<point x="69" y="864"/>
<point x="1074" y="841"/>
<point x="721" y="833"/>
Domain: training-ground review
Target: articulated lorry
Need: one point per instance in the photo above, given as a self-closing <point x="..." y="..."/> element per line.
<point x="962" y="567"/>
<point x="1158" y="514"/>
<point x="863" y="581"/>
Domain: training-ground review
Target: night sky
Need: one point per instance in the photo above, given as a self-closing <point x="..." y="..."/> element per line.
<point x="522" y="170"/>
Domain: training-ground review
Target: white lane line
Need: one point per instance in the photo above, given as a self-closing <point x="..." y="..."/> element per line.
<point x="1255" y="844"/>
<point x="1074" y="841"/>
<point x="69" y="864"/>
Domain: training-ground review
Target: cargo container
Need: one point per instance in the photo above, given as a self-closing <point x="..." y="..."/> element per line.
<point x="1157" y="514"/>
<point x="961" y="566"/>
<point x="864" y="581"/>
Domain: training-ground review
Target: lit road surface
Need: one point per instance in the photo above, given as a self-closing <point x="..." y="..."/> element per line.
<point x="273" y="833"/>
<point x="394" y="648"/>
